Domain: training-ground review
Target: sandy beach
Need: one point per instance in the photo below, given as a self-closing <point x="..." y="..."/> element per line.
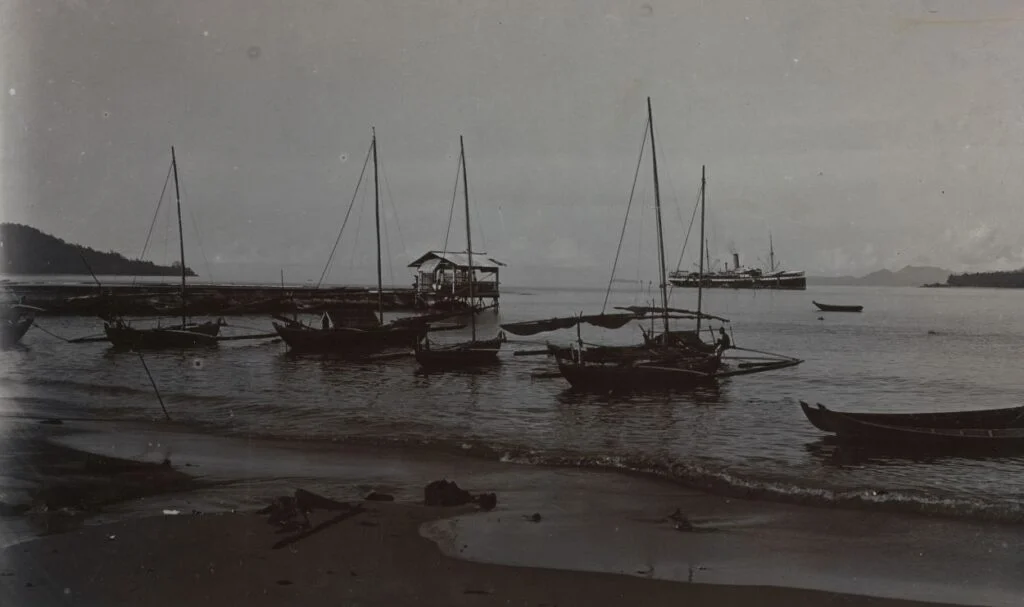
<point x="377" y="557"/>
<point x="141" y="531"/>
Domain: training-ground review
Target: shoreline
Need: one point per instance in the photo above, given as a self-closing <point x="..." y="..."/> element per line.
<point x="721" y="484"/>
<point x="599" y="522"/>
<point x="376" y="558"/>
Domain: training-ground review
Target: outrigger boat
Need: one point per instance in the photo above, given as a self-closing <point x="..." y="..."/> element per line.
<point x="825" y="419"/>
<point x="121" y="334"/>
<point x="473" y="353"/>
<point x="666" y="360"/>
<point x="364" y="338"/>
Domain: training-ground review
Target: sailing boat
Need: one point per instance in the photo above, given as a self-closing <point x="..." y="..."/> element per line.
<point x="185" y="335"/>
<point x="367" y="335"/>
<point x="475" y="352"/>
<point x="669" y="360"/>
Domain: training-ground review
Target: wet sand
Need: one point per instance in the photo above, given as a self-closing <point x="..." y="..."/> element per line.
<point x="374" y="558"/>
<point x="598" y="531"/>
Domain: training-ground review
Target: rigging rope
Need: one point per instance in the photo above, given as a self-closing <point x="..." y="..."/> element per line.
<point x="394" y="209"/>
<point x="353" y="252"/>
<point x="451" y="209"/>
<point x="625" y="221"/>
<point x="156" y="215"/>
<point x="199" y="237"/>
<point x="345" y="222"/>
<point x="686" y="240"/>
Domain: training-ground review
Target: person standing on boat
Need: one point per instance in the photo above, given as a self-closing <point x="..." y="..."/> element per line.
<point x="724" y="343"/>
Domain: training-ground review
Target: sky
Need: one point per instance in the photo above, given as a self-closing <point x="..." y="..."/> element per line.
<point x="860" y="135"/>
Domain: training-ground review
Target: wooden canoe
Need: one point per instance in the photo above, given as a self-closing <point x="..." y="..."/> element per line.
<point x="948" y="440"/>
<point x="836" y="308"/>
<point x="823" y="418"/>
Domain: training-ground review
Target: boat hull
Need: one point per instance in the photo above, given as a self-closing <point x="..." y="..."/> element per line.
<point x="11" y="331"/>
<point x="942" y="440"/>
<point x="461" y="356"/>
<point x="202" y="335"/>
<point x="834" y="308"/>
<point x="1013" y="417"/>
<point x="639" y="377"/>
<point x="347" y="341"/>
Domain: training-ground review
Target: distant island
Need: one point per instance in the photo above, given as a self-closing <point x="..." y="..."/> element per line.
<point x="26" y="250"/>
<point x="1011" y="279"/>
<point x="910" y="276"/>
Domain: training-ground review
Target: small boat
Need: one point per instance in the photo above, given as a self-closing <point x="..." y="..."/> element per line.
<point x="666" y="359"/>
<point x="835" y="308"/>
<point x="473" y="353"/>
<point x="11" y="331"/>
<point x="15" y="320"/>
<point x="648" y="370"/>
<point x="174" y="337"/>
<point x="984" y="440"/>
<point x="366" y="336"/>
<point x="1012" y="417"/>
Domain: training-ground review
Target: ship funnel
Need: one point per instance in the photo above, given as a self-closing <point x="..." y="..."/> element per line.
<point x="736" y="260"/>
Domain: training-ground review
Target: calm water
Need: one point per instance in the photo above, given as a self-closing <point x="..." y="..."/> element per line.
<point x="912" y="349"/>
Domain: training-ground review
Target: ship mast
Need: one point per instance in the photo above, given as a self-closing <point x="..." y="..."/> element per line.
<point x="469" y="239"/>
<point x="700" y="280"/>
<point x="181" y="240"/>
<point x="657" y="208"/>
<point x="771" y="252"/>
<point x="376" y="212"/>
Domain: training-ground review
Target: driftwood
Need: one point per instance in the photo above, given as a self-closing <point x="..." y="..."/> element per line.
<point x="352" y="511"/>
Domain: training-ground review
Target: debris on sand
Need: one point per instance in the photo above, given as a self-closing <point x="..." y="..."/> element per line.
<point x="447" y="494"/>
<point x="682" y="521"/>
<point x="285" y="509"/>
<point x="533" y="518"/>
<point x="486" y="501"/>
<point x="373" y="496"/>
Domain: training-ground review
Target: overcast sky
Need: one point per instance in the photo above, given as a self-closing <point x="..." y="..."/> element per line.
<point x="860" y="134"/>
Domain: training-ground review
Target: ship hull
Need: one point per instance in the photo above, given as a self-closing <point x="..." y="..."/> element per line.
<point x="786" y="283"/>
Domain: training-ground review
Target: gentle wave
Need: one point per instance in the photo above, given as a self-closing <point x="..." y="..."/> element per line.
<point x="691" y="475"/>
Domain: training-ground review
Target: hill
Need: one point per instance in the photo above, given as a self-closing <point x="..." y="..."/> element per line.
<point x="26" y="250"/>
<point x="910" y="276"/>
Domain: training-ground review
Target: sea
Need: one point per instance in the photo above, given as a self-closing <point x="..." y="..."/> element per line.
<point x="910" y="350"/>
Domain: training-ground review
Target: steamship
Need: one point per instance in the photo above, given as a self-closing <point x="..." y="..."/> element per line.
<point x="741" y="277"/>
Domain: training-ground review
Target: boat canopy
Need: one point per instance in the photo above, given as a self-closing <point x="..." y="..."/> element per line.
<point x="533" y="327"/>
<point x="646" y="310"/>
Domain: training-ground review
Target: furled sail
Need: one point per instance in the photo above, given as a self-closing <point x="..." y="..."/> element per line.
<point x="533" y="327"/>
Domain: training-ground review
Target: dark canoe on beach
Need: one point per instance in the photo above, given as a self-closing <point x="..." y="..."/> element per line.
<point x="824" y="419"/>
<point x="835" y="308"/>
<point x="947" y="440"/>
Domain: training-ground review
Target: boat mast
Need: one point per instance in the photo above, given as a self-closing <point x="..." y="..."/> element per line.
<point x="771" y="252"/>
<point x="700" y="280"/>
<point x="181" y="238"/>
<point x="657" y="208"/>
<point x="469" y="239"/>
<point x="376" y="213"/>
